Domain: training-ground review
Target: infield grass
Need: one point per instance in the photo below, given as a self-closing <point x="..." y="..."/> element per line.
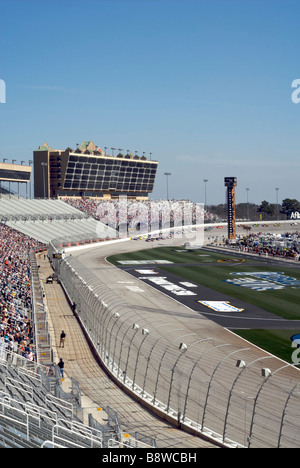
<point x="276" y="342"/>
<point x="213" y="269"/>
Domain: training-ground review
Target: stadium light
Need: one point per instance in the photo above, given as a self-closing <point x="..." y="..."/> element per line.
<point x="205" y="201"/>
<point x="277" y="190"/>
<point x="167" y="174"/>
<point x="247" y="190"/>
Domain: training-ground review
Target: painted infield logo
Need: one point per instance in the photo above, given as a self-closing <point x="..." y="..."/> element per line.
<point x="183" y="289"/>
<point x="264" y="281"/>
<point x="221" y="306"/>
<point x="164" y="283"/>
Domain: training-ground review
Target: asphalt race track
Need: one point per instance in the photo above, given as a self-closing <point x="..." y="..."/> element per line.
<point x="251" y="317"/>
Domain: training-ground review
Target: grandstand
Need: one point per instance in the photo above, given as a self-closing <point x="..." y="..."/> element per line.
<point x="45" y="220"/>
<point x="36" y="411"/>
<point x="18" y="207"/>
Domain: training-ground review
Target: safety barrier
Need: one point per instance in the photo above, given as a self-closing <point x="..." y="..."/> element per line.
<point x="217" y="390"/>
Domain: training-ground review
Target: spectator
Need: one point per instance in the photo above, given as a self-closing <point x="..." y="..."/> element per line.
<point x="62" y="339"/>
<point x="61" y="366"/>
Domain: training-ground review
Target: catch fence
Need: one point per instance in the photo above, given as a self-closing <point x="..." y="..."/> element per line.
<point x="236" y="396"/>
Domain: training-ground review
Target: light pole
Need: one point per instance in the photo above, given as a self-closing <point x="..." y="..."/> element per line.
<point x="277" y="190"/>
<point x="167" y="174"/>
<point x="247" y="190"/>
<point x="205" y="200"/>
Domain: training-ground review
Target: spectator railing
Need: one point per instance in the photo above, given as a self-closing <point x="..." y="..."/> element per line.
<point x="44" y="353"/>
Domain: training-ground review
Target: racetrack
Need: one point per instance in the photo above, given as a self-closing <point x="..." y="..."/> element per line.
<point x="225" y="414"/>
<point x="251" y="316"/>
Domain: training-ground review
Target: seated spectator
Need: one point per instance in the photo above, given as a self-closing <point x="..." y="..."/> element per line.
<point x="15" y="291"/>
<point x="149" y="212"/>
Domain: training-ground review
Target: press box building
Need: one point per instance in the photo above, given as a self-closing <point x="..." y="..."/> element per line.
<point x="89" y="172"/>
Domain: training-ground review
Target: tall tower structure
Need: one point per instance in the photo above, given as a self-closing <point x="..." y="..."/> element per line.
<point x="231" y="183"/>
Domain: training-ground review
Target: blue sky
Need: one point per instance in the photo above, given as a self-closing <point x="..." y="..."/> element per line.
<point x="204" y="85"/>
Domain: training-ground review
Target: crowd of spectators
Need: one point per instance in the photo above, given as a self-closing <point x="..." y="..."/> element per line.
<point x="16" y="333"/>
<point x="287" y="246"/>
<point x="157" y="213"/>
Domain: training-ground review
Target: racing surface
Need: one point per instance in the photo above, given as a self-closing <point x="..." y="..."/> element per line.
<point x="200" y="326"/>
<point x="192" y="294"/>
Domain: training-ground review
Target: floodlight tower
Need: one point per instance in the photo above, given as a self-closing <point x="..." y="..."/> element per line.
<point x="231" y="183"/>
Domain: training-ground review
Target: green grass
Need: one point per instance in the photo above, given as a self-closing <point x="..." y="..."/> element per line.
<point x="276" y="342"/>
<point x="283" y="302"/>
<point x="168" y="253"/>
<point x="213" y="274"/>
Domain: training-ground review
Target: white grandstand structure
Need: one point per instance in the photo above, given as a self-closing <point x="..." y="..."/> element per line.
<point x="46" y="220"/>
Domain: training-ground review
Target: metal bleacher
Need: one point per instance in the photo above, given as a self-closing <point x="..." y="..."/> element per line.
<point x="22" y="207"/>
<point x="45" y="220"/>
<point x="31" y="417"/>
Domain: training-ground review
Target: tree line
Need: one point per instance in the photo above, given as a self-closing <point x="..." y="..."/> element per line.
<point x="265" y="211"/>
